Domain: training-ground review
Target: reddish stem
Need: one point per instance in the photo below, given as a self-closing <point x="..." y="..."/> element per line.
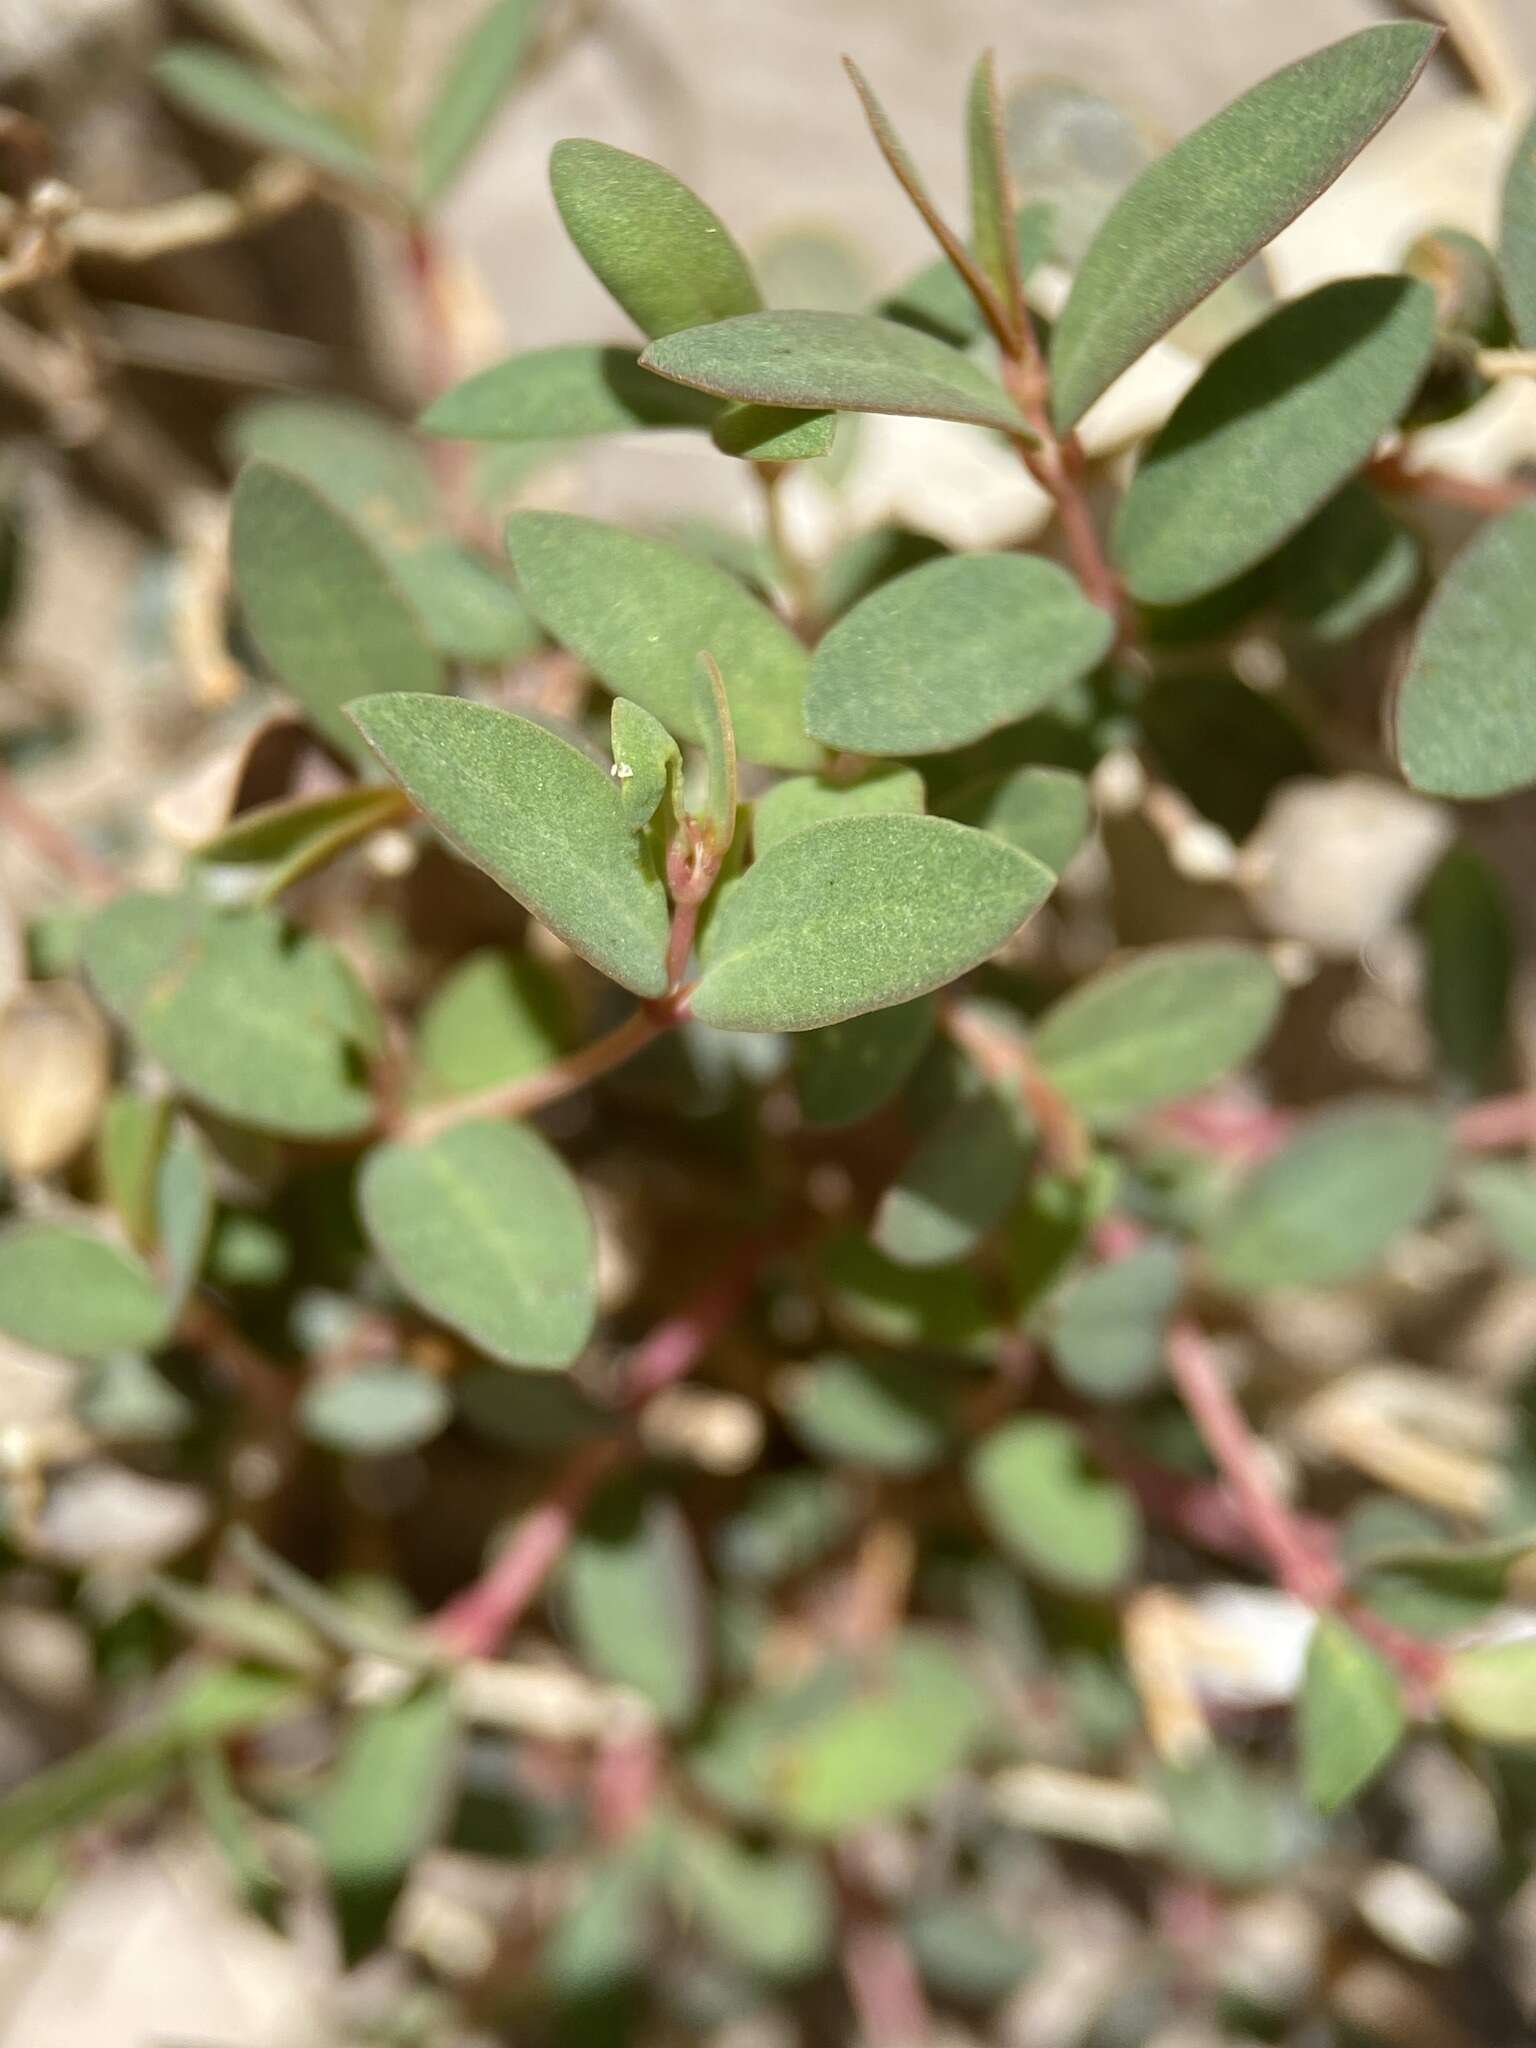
<point x="1498" y="1124"/>
<point x="1006" y="1058"/>
<point x="1391" y="473"/>
<point x="534" y="1091"/>
<point x="675" y="1346"/>
<point x="883" y="1985"/>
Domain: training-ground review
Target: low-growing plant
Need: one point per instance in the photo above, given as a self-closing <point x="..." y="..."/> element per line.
<point x="732" y="1178"/>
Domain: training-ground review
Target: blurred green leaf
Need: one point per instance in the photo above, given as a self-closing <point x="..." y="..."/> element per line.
<point x="859" y="913"/>
<point x="1106" y="1328"/>
<point x="845" y="1072"/>
<point x="992" y="229"/>
<point x="772" y="1909"/>
<point x="1504" y="1196"/>
<point x="493" y="1018"/>
<point x="1273" y="427"/>
<point x="958" y="1184"/>
<point x="1463" y="707"/>
<point x="1329" y="1204"/>
<point x="889" y="1415"/>
<point x="1166" y="1023"/>
<point x="1351" y="1717"/>
<point x="292" y="838"/>
<point x="1044" y="1504"/>
<point x="965" y="1952"/>
<point x="659" y="250"/>
<point x="951" y="651"/>
<point x="639" y="611"/>
<point x="635" y="1600"/>
<point x="839" y="362"/>
<point x="1469" y="940"/>
<point x="480" y="74"/>
<point x="1517" y="237"/>
<point x="1349" y="565"/>
<point x="129" y="1141"/>
<point x="485" y="1228"/>
<point x="220" y="89"/>
<point x="125" y="1400"/>
<point x="1489" y="1691"/>
<point x="1044" y="812"/>
<point x="183" y="1214"/>
<point x="375" y="1410"/>
<point x="1198" y="213"/>
<point x="321" y="602"/>
<point x="1228" y="1824"/>
<point x="539" y="816"/>
<point x="265" y="1025"/>
<point x="241" y="1626"/>
<point x="65" y="1290"/>
<point x="559" y="393"/>
<point x="942" y="1306"/>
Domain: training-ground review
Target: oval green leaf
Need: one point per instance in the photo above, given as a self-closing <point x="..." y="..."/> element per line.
<point x="1466" y="706"/>
<point x="63" y="1290"/>
<point x="484" y="1227"/>
<point x="958" y="1184"/>
<point x="638" y="612"/>
<point x="835" y="362"/>
<point x="495" y="1017"/>
<point x="1490" y="1692"/>
<point x="1047" y="1508"/>
<point x="1272" y="428"/>
<point x="1169" y="1022"/>
<point x="1350" y="1715"/>
<point x="634" y="1597"/>
<point x="847" y="1071"/>
<point x="951" y="651"/>
<point x="539" y="816"/>
<point x="375" y="1410"/>
<point x="857" y="914"/>
<point x="890" y="1415"/>
<point x="1045" y="812"/>
<point x="558" y="393"/>
<point x="1198" y="213"/>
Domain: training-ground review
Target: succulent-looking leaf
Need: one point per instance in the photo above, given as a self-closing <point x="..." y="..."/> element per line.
<point x="890" y="1415"/>
<point x="320" y="601"/>
<point x="539" y="816"/>
<point x="1269" y="432"/>
<point x="558" y="393"/>
<point x="1466" y="706"/>
<point x="1464" y="918"/>
<point x="847" y="1071"/>
<point x="480" y="74"/>
<point x="219" y="88"/>
<point x="1332" y="1200"/>
<point x="1106" y="1328"/>
<point x="1517" y="238"/>
<point x="857" y="914"/>
<point x="635" y="1601"/>
<point x="495" y="1017"/>
<point x="63" y="1290"/>
<point x="958" y="1185"/>
<point x="1165" y="1024"/>
<point x="772" y="433"/>
<point x="485" y="1228"/>
<point x="655" y="245"/>
<point x="1044" y="812"/>
<point x="1046" y="1507"/>
<point x="638" y="611"/>
<point x="804" y="800"/>
<point x="1490" y="1692"/>
<point x="951" y="651"/>
<point x="265" y="1025"/>
<point x="1198" y="213"/>
<point x="647" y="763"/>
<point x="1351" y="1717"/>
<point x="838" y="362"/>
<point x="375" y="1410"/>
<point x="713" y="713"/>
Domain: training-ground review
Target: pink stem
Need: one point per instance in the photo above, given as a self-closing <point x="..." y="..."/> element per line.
<point x="1498" y="1124"/>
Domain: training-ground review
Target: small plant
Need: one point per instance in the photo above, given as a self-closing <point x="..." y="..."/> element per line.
<point x="736" y="1297"/>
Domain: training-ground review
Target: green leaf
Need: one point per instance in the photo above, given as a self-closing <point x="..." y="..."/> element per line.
<point x="847" y="1071"/>
<point x="129" y="1142"/>
<point x="638" y="611"/>
<point x="713" y="712"/>
<point x="857" y="914"/>
<point x="539" y="816"/>
<point x="936" y="300"/>
<point x="992" y="229"/>
<point x="1504" y="1196"/>
<point x="125" y="1400"/>
<point x="635" y="1600"/>
<point x="494" y="1018"/>
<point x="1347" y="567"/>
<point x="1226" y="746"/>
<point x="1350" y="1715"/>
<point x="1469" y="941"/>
<point x="484" y="1227"/>
<point x="773" y="433"/>
<point x="1034" y="1489"/>
<point x="771" y="1909"/>
<point x="1466" y="706"/>
<point x="263" y="1024"/>
<point x="839" y="362"/>
<point x="959" y="1183"/>
<point x="1401" y="1565"/>
<point x="1517" y="238"/>
<point x="1227" y="1822"/>
<point x="966" y="1952"/>
<point x="655" y="245"/>
<point x="889" y="1415"/>
<point x="321" y="603"/>
<point x="803" y="800"/>
<point x="559" y="393"/>
<point x="479" y="76"/>
<point x="294" y="837"/>
<point x="375" y="1410"/>
<point x="379" y="479"/>
<point x="1270" y="431"/>
<point x="1490" y="1692"/>
<point x="241" y="1625"/>
<point x="943" y="1307"/>
<point x="1198" y="213"/>
<point x="63" y="1290"/>
<point x="1106" y="1328"/>
<point x="1329" y="1204"/>
<point x="184" y="1204"/>
<point x="220" y="89"/>
<point x="647" y="763"/>
<point x="951" y="651"/>
<point x="1044" y="812"/>
<point x="1164" y="1024"/>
